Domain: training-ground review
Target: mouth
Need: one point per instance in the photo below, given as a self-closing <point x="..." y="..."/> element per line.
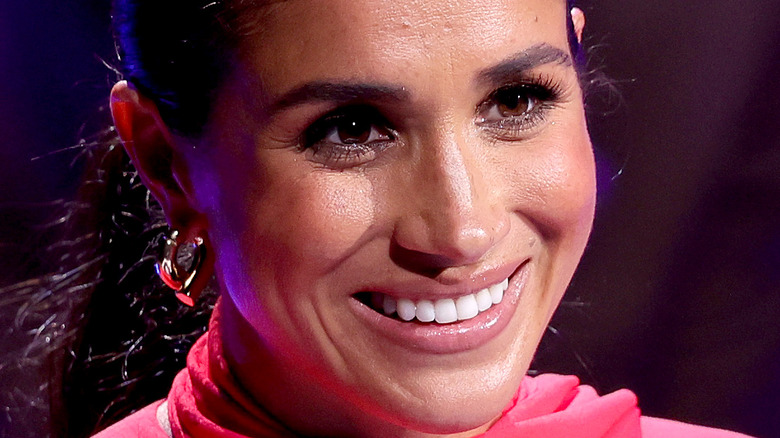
<point x="436" y="311"/>
<point x="443" y="325"/>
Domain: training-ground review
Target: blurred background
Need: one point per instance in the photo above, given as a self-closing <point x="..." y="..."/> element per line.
<point x="678" y="296"/>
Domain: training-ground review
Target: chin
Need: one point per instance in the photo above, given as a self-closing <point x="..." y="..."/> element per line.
<point x="461" y="423"/>
<point x="451" y="408"/>
<point x="451" y="419"/>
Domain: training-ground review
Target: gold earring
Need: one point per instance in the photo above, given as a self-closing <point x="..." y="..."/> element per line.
<point x="180" y="264"/>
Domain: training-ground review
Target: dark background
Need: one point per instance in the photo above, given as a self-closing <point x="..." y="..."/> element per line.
<point x="678" y="296"/>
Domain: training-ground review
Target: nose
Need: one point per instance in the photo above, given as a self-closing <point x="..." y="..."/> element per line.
<point x="451" y="213"/>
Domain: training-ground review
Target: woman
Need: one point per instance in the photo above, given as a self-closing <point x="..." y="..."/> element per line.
<point x="393" y="197"/>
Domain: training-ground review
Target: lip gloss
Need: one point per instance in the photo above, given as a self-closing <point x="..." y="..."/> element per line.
<point x="454" y="337"/>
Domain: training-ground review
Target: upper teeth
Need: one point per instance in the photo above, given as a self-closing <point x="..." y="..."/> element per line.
<point x="446" y="310"/>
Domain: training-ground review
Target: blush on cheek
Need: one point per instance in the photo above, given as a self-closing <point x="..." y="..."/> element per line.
<point x="324" y="217"/>
<point x="562" y="188"/>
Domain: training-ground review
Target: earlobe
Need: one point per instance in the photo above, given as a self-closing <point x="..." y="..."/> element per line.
<point x="578" y="18"/>
<point x="149" y="145"/>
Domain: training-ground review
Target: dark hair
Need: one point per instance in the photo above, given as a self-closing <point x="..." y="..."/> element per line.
<point x="176" y="52"/>
<point x="120" y="336"/>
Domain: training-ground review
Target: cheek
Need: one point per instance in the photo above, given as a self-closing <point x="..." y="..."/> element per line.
<point x="300" y="224"/>
<point x="555" y="194"/>
<point x="556" y="190"/>
<point x="288" y="228"/>
<point x="319" y="219"/>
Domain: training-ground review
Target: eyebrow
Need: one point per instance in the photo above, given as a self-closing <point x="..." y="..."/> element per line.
<point x="319" y="91"/>
<point x="344" y="92"/>
<point x="523" y="61"/>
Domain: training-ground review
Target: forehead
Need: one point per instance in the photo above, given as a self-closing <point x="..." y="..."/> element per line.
<point x="305" y="40"/>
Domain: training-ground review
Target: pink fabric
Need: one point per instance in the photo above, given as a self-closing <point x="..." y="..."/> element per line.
<point x="206" y="402"/>
<point x="141" y="424"/>
<point x="553" y="406"/>
<point x="658" y="427"/>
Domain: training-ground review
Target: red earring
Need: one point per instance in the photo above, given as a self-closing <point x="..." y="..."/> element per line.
<point x="180" y="264"/>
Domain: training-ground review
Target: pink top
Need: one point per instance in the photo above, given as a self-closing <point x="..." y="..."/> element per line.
<point x="205" y="401"/>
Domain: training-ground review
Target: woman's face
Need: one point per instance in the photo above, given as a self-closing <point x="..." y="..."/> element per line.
<point x="374" y="164"/>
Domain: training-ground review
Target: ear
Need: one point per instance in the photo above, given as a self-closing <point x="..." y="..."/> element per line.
<point x="163" y="170"/>
<point x="578" y="17"/>
<point x="150" y="146"/>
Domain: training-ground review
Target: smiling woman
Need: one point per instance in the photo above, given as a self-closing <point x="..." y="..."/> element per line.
<point x="393" y="197"/>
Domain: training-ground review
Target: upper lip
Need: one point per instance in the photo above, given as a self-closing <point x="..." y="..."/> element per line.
<point x="417" y="287"/>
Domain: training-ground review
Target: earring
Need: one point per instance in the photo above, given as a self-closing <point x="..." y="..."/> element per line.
<point x="180" y="264"/>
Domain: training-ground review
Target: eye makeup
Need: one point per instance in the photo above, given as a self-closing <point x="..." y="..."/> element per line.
<point x="357" y="133"/>
<point x="515" y="110"/>
<point x="348" y="136"/>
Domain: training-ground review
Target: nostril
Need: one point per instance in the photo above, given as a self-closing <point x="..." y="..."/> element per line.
<point x="437" y="251"/>
<point x="427" y="240"/>
<point x="422" y="263"/>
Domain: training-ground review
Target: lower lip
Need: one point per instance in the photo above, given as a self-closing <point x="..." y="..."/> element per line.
<point x="449" y="338"/>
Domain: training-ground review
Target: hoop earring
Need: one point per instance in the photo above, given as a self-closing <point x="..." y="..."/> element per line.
<point x="180" y="264"/>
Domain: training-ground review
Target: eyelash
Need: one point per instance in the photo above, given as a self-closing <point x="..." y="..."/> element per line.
<point x="318" y="137"/>
<point x="542" y="93"/>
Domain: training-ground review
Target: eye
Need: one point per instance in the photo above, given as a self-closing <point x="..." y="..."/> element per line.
<point x="509" y="102"/>
<point x="516" y="108"/>
<point x="354" y="130"/>
<point x="347" y="137"/>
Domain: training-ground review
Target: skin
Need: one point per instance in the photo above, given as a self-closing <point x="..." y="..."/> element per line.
<point x="294" y="233"/>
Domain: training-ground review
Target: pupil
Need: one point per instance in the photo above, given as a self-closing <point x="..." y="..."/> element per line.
<point x="354" y="131"/>
<point x="512" y="102"/>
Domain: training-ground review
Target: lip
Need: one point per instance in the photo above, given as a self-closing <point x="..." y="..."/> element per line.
<point x="449" y="287"/>
<point x="449" y="338"/>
